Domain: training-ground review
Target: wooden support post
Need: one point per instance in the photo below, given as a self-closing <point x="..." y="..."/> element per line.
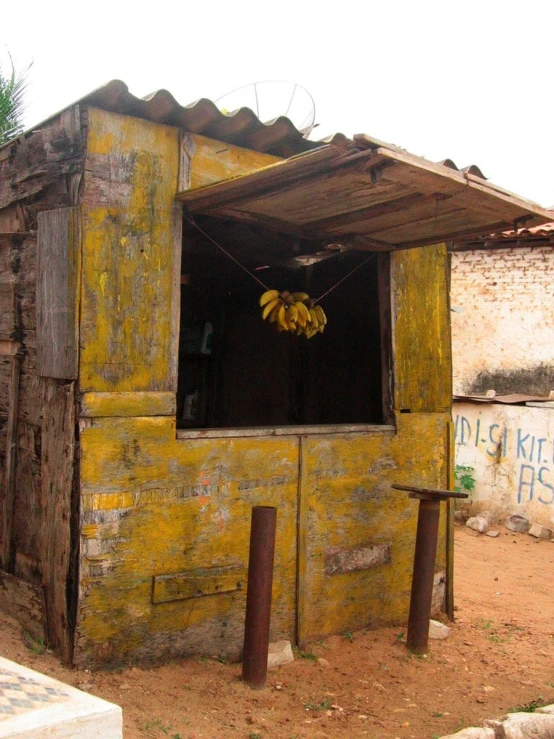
<point x="424" y="562"/>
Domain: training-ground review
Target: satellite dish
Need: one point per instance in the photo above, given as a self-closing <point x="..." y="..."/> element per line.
<point x="273" y="98"/>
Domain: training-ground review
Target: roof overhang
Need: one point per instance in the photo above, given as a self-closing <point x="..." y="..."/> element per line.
<point x="370" y="196"/>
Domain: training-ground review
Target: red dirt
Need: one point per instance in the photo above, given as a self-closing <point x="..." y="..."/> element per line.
<point x="499" y="655"/>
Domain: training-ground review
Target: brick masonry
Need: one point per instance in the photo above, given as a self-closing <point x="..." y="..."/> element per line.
<point x="504" y="337"/>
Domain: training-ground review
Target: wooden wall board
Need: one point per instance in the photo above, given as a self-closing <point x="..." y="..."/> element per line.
<point x="421" y="324"/>
<point x="349" y="505"/>
<point x="57" y="471"/>
<point x="57" y="300"/>
<point x="9" y="491"/>
<point x="211" y="161"/>
<point x="41" y="156"/>
<point x="131" y="176"/>
<point x="155" y="506"/>
<point x="25" y="603"/>
<point x="127" y="404"/>
<point x="8" y="314"/>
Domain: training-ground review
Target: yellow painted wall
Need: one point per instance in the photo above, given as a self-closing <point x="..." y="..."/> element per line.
<point x="155" y="506"/>
<point x="131" y="175"/>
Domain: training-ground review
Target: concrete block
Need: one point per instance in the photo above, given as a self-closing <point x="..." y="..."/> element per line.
<point x="540" y="532"/>
<point x="517" y="523"/>
<point x="52" y="709"/>
<point x="478" y="523"/>
<point x="523" y="726"/>
<point x="437" y="630"/>
<point x="280" y="653"/>
<point x="472" y="732"/>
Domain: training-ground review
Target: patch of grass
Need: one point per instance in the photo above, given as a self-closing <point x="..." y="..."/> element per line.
<point x="37" y="646"/>
<point x="530" y="707"/>
<point x="324" y="705"/>
<point x="158" y="725"/>
<point x="255" y="735"/>
<point x="436" y="714"/>
<point x="400" y="636"/>
<point x="308" y="655"/>
<point x="349" y="635"/>
<point x="484" y="624"/>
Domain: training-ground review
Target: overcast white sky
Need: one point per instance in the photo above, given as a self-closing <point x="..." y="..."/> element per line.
<point x="469" y="80"/>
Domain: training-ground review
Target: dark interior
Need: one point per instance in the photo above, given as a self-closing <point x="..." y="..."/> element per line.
<point x="236" y="370"/>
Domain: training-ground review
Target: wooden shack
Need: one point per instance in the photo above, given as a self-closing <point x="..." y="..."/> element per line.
<point x="145" y="407"/>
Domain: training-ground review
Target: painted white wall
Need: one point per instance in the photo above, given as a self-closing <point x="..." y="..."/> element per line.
<point x="507" y="297"/>
<point x="511" y="450"/>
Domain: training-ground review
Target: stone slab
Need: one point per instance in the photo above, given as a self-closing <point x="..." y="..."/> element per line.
<point x="279" y="653"/>
<point x="472" y="732"/>
<point x="35" y="706"/>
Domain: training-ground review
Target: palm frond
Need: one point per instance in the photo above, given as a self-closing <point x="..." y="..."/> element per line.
<point x="12" y="102"/>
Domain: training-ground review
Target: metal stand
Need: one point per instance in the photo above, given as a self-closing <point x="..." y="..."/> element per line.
<point x="424" y="562"/>
<point x="258" y="596"/>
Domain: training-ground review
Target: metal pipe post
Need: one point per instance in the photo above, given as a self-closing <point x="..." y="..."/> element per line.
<point x="258" y="596"/>
<point x="423" y="577"/>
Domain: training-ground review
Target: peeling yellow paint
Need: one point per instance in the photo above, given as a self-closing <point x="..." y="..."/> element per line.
<point x="183" y="506"/>
<point x="212" y="161"/>
<point x="130" y="185"/>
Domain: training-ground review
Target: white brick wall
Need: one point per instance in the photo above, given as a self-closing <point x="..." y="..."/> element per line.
<point x="507" y="323"/>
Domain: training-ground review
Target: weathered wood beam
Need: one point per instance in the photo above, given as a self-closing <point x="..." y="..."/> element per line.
<point x="373" y="211"/>
<point x="9" y="473"/>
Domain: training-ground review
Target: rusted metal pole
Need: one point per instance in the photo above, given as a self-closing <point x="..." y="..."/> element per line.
<point x="424" y="562"/>
<point x="258" y="596"/>
<point x="423" y="577"/>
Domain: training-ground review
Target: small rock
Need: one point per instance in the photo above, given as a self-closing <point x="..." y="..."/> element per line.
<point x="519" y="725"/>
<point x="488" y="688"/>
<point x="438" y="630"/>
<point x="322" y="662"/>
<point x="124" y="686"/>
<point x="362" y="716"/>
<point x="478" y="523"/>
<point x="494" y="534"/>
<point x="280" y="653"/>
<point x="546" y="709"/>
<point x="540" y="532"/>
<point x="517" y="523"/>
<point x="472" y="732"/>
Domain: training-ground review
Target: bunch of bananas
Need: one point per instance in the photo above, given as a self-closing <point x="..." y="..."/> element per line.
<point x="294" y="312"/>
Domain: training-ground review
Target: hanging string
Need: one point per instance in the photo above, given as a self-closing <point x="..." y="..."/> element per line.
<point x="248" y="272"/>
<point x="236" y="261"/>
<point x="371" y="256"/>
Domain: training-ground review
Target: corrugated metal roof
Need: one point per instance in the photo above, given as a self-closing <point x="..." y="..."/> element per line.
<point x="514" y="237"/>
<point x="512" y="399"/>
<point x="241" y="127"/>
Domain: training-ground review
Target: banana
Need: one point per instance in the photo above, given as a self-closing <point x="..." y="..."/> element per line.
<point x="300" y="297"/>
<point x="269" y="307"/>
<point x="321" y="317"/>
<point x="275" y="312"/>
<point x="303" y="314"/>
<point x="267" y="296"/>
<point x="293" y="313"/>
<point x="313" y="316"/>
<point x="282" y="318"/>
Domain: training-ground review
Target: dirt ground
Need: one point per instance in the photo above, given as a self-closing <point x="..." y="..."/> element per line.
<point x="500" y="654"/>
